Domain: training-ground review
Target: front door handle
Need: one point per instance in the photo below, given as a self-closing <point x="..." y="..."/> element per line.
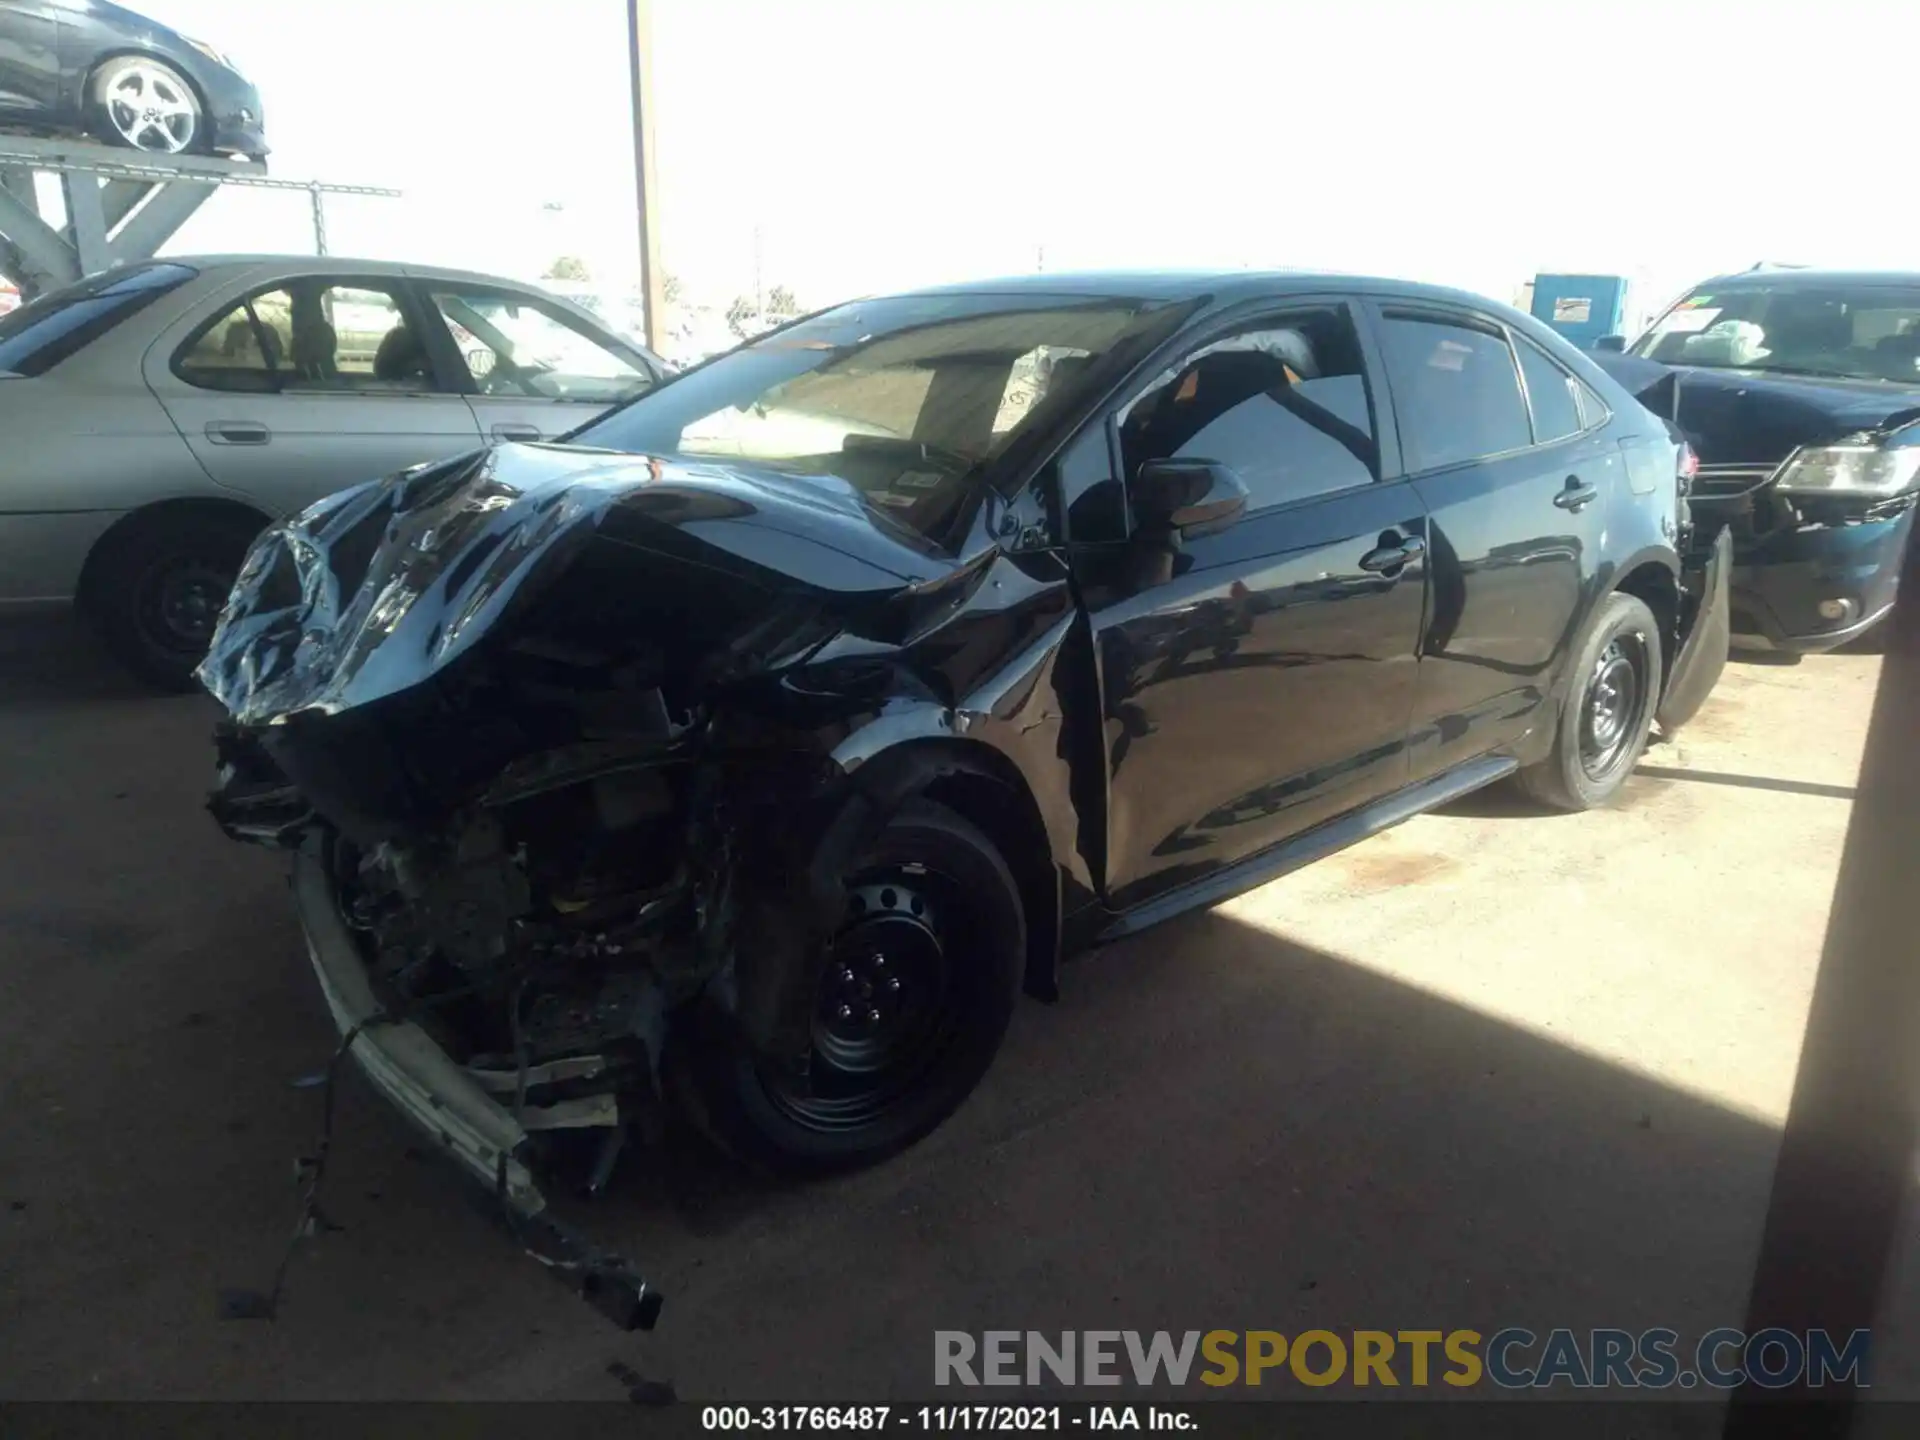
<point x="510" y="431"/>
<point x="1576" y="495"/>
<point x="1392" y="554"/>
<point x="238" y="432"/>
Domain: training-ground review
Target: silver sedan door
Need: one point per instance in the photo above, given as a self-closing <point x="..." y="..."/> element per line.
<point x="306" y="385"/>
<point x="537" y="369"/>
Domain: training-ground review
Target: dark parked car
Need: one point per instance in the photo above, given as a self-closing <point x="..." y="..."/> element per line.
<point x="1800" y="391"/>
<point x="94" y="67"/>
<point x="751" y="749"/>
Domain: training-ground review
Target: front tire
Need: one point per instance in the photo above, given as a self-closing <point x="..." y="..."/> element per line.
<point x="145" y="104"/>
<point x="1603" y="726"/>
<point x="915" y="1000"/>
<point x="158" y="589"/>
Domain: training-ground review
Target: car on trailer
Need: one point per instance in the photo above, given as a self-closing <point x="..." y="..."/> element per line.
<point x="90" y="67"/>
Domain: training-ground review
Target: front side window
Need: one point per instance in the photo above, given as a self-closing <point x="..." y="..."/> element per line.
<point x="1284" y="405"/>
<point x="43" y="332"/>
<point x="1455" y="389"/>
<point x="1850" y="331"/>
<point x="310" y="335"/>
<point x="514" y="346"/>
<point x="913" y="401"/>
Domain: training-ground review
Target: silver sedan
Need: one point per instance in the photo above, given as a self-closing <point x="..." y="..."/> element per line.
<point x="154" y="418"/>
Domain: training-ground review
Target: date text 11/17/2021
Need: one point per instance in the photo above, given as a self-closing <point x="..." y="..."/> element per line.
<point x="941" y="1419"/>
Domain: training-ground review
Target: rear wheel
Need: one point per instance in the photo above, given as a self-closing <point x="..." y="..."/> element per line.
<point x="917" y="993"/>
<point x="157" y="591"/>
<point x="1603" y="726"/>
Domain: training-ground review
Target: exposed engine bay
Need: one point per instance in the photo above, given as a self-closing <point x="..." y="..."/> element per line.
<point x="539" y="843"/>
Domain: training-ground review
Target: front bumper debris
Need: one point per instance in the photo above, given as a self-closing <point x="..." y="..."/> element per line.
<point x="1704" y="632"/>
<point x="450" y="1107"/>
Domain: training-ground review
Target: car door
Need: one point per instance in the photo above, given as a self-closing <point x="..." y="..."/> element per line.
<point x="1512" y="492"/>
<point x="1258" y="680"/>
<point x="29" y="56"/>
<point x="531" y="369"/>
<point x="307" y="384"/>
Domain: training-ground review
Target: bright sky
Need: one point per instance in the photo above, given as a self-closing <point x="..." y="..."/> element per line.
<point x="882" y="144"/>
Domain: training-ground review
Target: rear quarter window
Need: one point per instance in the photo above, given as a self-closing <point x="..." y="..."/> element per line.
<point x="43" y="332"/>
<point x="1457" y="389"/>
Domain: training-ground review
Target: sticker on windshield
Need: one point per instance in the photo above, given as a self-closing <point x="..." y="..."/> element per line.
<point x="1694" y="302"/>
<point x="1689" y="322"/>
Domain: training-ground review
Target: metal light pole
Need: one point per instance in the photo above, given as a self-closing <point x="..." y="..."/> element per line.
<point x="640" y="61"/>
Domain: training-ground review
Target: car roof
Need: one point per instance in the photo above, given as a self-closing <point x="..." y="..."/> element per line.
<point x="1219" y="285"/>
<point x="1811" y="277"/>
<point x="340" y="265"/>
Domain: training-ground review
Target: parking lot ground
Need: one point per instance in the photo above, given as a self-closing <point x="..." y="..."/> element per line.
<point x="1491" y="1068"/>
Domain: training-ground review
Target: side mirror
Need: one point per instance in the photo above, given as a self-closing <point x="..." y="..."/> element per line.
<point x="1613" y="344"/>
<point x="1192" y="497"/>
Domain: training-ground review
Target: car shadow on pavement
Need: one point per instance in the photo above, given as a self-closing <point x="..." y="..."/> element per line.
<point x="1747" y="782"/>
<point x="56" y="657"/>
<point x="1502" y="800"/>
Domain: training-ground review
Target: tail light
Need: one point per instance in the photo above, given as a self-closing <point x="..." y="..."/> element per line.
<point x="1688" y="466"/>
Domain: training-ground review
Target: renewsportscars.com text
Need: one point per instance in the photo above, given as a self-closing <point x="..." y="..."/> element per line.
<point x="1513" y="1358"/>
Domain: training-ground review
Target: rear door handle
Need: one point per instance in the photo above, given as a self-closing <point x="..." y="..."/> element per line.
<point x="1392" y="554"/>
<point x="238" y="432"/>
<point x="516" y="432"/>
<point x="1575" y="495"/>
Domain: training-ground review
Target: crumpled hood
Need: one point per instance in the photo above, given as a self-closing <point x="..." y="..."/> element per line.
<point x="375" y="589"/>
<point x="1747" y="417"/>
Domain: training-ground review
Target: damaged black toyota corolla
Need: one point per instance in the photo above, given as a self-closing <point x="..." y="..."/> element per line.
<point x="748" y="753"/>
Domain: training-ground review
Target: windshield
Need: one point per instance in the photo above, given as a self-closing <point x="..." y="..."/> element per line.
<point x="1858" y="331"/>
<point x="911" y="400"/>
<point x="42" y="333"/>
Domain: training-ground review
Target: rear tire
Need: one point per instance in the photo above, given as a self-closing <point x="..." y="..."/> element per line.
<point x="935" y="914"/>
<point x="1603" y="725"/>
<point x="158" y="587"/>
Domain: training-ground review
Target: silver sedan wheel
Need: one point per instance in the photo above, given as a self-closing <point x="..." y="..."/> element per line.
<point x="152" y="109"/>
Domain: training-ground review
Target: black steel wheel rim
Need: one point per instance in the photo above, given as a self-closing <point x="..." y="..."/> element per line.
<point x="888" y="1007"/>
<point x="181" y="603"/>
<point x="1612" y="705"/>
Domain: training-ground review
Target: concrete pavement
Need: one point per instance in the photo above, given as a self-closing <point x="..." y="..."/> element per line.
<point x="1491" y="1068"/>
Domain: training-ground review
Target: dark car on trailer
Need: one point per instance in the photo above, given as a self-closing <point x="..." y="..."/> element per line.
<point x="1800" y="392"/>
<point x="747" y="753"/>
<point x="93" y="67"/>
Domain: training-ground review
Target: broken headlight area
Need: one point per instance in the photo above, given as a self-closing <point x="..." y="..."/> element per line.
<point x="561" y="801"/>
<point x="552" y="921"/>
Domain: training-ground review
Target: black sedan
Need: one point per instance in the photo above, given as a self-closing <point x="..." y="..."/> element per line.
<point x="93" y="67"/>
<point x="750" y="750"/>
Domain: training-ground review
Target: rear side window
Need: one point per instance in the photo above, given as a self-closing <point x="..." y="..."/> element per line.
<point x="42" y="333"/>
<point x="1550" y="393"/>
<point x="310" y="334"/>
<point x="1456" y="390"/>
